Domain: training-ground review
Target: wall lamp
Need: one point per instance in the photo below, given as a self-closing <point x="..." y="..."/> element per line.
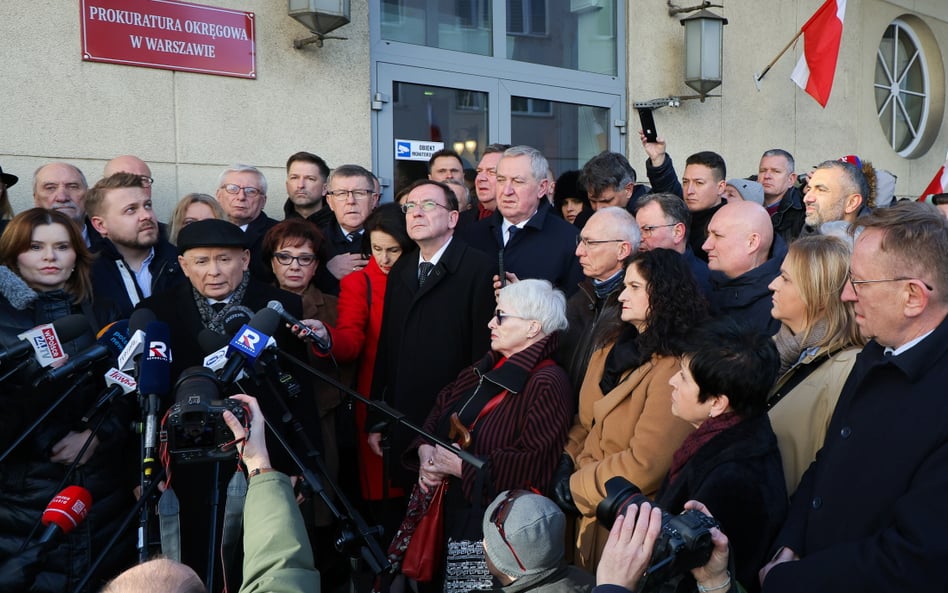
<point x="320" y="17"/>
<point x="704" y="54"/>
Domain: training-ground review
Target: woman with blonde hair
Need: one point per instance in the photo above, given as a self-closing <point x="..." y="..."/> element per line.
<point x="191" y="208"/>
<point x="818" y="342"/>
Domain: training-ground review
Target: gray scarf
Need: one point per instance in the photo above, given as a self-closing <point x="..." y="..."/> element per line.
<point x="791" y="347"/>
<point x="215" y="320"/>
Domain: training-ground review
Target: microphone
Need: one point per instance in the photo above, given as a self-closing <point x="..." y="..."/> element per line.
<point x="215" y="345"/>
<point x="45" y="341"/>
<point x="117" y="383"/>
<point x="306" y="333"/>
<point x="236" y="317"/>
<point x="65" y="512"/>
<point x="128" y="359"/>
<point x="101" y="349"/>
<point x="249" y="342"/>
<point x="154" y="383"/>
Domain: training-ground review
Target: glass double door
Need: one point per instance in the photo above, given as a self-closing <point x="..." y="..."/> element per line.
<point x="419" y="110"/>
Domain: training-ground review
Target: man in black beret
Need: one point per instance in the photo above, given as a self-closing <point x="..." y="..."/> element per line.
<point x="221" y="296"/>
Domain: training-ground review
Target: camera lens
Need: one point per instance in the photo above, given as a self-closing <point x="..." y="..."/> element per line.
<point x="620" y="493"/>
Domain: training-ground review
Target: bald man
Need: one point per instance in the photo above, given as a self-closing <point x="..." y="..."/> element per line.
<point x="130" y="164"/>
<point x="744" y="256"/>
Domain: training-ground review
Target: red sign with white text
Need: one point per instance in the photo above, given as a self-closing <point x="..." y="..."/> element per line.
<point x="169" y="34"/>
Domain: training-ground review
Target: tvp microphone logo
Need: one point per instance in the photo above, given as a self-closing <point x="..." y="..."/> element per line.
<point x="158" y="351"/>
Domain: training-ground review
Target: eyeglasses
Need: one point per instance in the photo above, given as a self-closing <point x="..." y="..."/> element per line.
<point x="500" y="316"/>
<point x="147" y="181"/>
<point x="426" y="206"/>
<point x="357" y="194"/>
<point x="855" y="283"/>
<point x="648" y="229"/>
<point x="234" y="189"/>
<point x="499" y="516"/>
<point x="587" y="243"/>
<point x="305" y="260"/>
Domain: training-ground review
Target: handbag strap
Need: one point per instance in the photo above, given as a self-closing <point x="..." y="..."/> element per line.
<point x="795" y="376"/>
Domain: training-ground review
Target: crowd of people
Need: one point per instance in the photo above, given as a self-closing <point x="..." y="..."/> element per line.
<point x="763" y="352"/>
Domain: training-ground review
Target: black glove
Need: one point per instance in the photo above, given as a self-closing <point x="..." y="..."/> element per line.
<point x="561" y="494"/>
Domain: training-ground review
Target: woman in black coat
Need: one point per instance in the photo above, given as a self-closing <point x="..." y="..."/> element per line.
<point x="730" y="462"/>
<point x="44" y="275"/>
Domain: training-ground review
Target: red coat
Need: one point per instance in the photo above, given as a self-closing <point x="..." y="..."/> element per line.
<point x="356" y="337"/>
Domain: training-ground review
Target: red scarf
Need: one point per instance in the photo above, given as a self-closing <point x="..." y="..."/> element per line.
<point x="709" y="429"/>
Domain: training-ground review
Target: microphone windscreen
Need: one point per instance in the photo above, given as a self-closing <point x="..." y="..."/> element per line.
<point x="266" y="321"/>
<point x="68" y="508"/>
<point x="155" y="366"/>
<point x="140" y="319"/>
<point x="70" y="327"/>
<point x="114" y="336"/>
<point x="211" y="341"/>
<point x="236" y="318"/>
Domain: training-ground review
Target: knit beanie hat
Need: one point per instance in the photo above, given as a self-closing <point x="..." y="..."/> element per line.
<point x="749" y="190"/>
<point x="534" y="527"/>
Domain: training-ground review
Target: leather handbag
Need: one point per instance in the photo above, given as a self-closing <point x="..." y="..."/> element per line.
<point x="425" y="550"/>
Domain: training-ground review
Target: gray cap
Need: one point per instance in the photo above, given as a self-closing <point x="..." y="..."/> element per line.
<point x="535" y="529"/>
<point x="751" y="191"/>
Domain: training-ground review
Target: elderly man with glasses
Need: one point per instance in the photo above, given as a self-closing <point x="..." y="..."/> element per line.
<point x="242" y="193"/>
<point x="352" y="193"/>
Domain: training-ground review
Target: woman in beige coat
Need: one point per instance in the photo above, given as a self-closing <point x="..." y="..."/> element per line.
<point x="818" y="342"/>
<point x="625" y="426"/>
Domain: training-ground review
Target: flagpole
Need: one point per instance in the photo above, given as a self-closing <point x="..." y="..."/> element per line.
<point x="759" y="77"/>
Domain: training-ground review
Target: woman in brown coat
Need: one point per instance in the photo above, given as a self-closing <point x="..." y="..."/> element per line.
<point x="625" y="425"/>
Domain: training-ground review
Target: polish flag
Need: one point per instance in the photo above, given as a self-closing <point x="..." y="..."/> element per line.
<point x="821" y="36"/>
<point x="939" y="184"/>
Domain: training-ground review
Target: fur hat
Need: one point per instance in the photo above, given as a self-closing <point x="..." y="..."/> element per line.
<point x="534" y="528"/>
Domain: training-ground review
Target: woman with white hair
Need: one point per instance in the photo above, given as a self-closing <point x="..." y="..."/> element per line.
<point x="514" y="406"/>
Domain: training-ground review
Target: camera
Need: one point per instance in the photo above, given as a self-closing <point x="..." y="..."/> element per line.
<point x="195" y="429"/>
<point x="683" y="543"/>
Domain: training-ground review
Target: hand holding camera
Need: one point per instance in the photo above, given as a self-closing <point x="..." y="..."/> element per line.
<point x="254" y="455"/>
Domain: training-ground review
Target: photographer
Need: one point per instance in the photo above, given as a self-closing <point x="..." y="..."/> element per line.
<point x="277" y="554"/>
<point x="628" y="553"/>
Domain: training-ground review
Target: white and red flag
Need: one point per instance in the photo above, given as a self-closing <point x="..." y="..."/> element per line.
<point x="822" y="34"/>
<point x="939" y="184"/>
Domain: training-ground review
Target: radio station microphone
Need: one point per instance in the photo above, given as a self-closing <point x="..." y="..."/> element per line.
<point x="46" y="340"/>
<point x="306" y="333"/>
<point x="66" y="511"/>
<point x="236" y="317"/>
<point x="154" y="383"/>
<point x="103" y="348"/>
<point x="139" y="320"/>
<point x="248" y="343"/>
<point x="117" y="383"/>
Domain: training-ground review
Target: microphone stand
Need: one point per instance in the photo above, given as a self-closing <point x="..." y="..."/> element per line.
<point x="139" y="507"/>
<point x="393" y="416"/>
<point x="370" y="550"/>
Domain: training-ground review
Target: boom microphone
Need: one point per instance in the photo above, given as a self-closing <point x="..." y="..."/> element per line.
<point x="306" y="333"/>
<point x="249" y="342"/>
<point x="154" y="383"/>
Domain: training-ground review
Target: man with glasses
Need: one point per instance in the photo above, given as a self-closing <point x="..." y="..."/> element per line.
<point x="867" y="515"/>
<point x="352" y="194"/>
<point x="665" y="222"/>
<point x="744" y="256"/>
<point x="133" y="259"/>
<point x="437" y="306"/>
<point x="242" y="193"/>
<point x="609" y="237"/>
<point x="533" y="242"/>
